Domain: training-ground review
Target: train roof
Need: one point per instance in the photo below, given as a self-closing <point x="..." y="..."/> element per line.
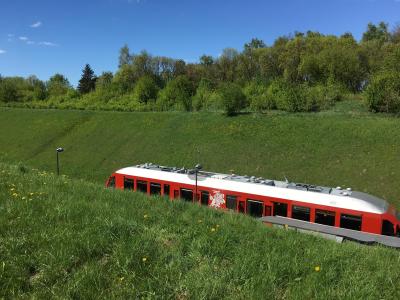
<point x="307" y="193"/>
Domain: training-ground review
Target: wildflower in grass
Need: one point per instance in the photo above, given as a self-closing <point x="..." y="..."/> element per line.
<point x="200" y="221"/>
<point x="217" y="225"/>
<point x="317" y="268"/>
<point x="23" y="198"/>
<point x="15" y="195"/>
<point x="144" y="259"/>
<point x="121" y="278"/>
<point x="31" y="194"/>
<point x="213" y="229"/>
<point x="145" y="216"/>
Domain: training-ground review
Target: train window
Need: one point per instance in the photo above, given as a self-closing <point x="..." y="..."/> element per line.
<point x="141" y="186"/>
<point x="166" y="190"/>
<point x="325" y="217"/>
<point x="397" y="231"/>
<point x="241" y="207"/>
<point x="231" y="202"/>
<point x="387" y="228"/>
<point x="350" y="222"/>
<point x="205" y="196"/>
<point x="301" y="213"/>
<point x="255" y="208"/>
<point x="111" y="182"/>
<point x="155" y="188"/>
<point x="187" y="195"/>
<point x="280" y="209"/>
<point x="128" y="184"/>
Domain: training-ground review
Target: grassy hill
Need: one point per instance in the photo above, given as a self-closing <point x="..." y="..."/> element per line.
<point x="64" y="238"/>
<point x="345" y="147"/>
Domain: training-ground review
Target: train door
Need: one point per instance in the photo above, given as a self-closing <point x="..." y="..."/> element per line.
<point x="267" y="210"/>
<point x="242" y="206"/>
<point x="280" y="209"/>
<point x="254" y="208"/>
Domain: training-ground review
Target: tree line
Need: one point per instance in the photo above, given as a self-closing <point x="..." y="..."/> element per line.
<point x="300" y="72"/>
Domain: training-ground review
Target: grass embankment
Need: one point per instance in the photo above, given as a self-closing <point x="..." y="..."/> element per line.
<point x="70" y="238"/>
<point x="333" y="148"/>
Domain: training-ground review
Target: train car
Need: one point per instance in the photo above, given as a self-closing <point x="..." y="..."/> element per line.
<point x="333" y="211"/>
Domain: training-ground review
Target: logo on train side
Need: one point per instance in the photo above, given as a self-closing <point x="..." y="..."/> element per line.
<point x="217" y="199"/>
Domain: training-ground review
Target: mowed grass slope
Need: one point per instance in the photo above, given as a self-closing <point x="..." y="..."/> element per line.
<point x="63" y="238"/>
<point x="359" y="150"/>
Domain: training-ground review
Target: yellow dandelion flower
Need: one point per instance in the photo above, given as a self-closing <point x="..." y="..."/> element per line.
<point x="317" y="268"/>
<point x="145" y="216"/>
<point x="212" y="229"/>
<point x="144" y="259"/>
<point x="15" y="194"/>
<point x="217" y="225"/>
<point x="121" y="278"/>
<point x="200" y="221"/>
<point x="30" y="194"/>
<point x="23" y="198"/>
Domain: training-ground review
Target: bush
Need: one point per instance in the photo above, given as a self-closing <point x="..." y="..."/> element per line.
<point x="383" y="93"/>
<point x="258" y="97"/>
<point x="202" y="98"/>
<point x="176" y="95"/>
<point x="232" y="98"/>
<point x="145" y="90"/>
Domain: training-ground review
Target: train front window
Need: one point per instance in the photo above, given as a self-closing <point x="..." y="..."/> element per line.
<point x="128" y="183"/>
<point x="387" y="228"/>
<point x="111" y="182"/>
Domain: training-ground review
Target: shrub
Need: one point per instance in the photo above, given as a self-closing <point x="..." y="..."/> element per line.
<point x="258" y="98"/>
<point x="201" y="100"/>
<point x="232" y="98"/>
<point x="176" y="95"/>
<point x="145" y="90"/>
<point x="383" y="93"/>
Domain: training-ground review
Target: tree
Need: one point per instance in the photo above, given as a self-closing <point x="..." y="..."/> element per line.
<point x="254" y="44"/>
<point x="379" y="33"/>
<point x="87" y="82"/>
<point x="383" y="93"/>
<point x="104" y="80"/>
<point x="206" y="60"/>
<point x="9" y="90"/>
<point x="177" y="94"/>
<point x="58" y="85"/>
<point x="232" y="98"/>
<point x="125" y="57"/>
<point x="395" y="34"/>
<point x="145" y="89"/>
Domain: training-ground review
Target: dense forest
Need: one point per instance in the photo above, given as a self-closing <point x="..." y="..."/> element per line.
<point x="300" y="72"/>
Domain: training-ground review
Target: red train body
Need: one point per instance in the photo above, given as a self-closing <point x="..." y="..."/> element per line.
<point x="259" y="197"/>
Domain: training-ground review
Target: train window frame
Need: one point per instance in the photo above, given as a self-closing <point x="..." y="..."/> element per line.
<point x="204" y="198"/>
<point x="183" y="191"/>
<point x="131" y="185"/>
<point x="254" y="202"/>
<point x="325" y="215"/>
<point x="140" y="184"/>
<point x="111" y="182"/>
<point x="231" y="202"/>
<point x="302" y="213"/>
<point x="157" y="186"/>
<point x="349" y="218"/>
<point x="281" y="205"/>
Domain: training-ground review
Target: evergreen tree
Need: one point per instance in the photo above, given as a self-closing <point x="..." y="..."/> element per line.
<point x="87" y="81"/>
<point x="125" y="58"/>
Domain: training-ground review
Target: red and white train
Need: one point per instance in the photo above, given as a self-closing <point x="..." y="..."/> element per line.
<point x="332" y="211"/>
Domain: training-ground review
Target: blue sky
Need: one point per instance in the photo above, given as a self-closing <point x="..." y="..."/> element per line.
<point x="43" y="37"/>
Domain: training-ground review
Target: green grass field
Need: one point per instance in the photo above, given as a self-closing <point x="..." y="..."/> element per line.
<point x="345" y="146"/>
<point x="67" y="238"/>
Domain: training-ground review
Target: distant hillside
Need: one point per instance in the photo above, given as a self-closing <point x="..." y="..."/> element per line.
<point x="332" y="148"/>
<point x="72" y="239"/>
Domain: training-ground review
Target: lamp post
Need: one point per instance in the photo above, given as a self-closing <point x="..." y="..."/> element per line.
<point x="197" y="168"/>
<point x="58" y="150"/>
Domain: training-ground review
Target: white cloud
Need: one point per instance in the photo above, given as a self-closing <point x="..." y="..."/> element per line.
<point x="23" y="38"/>
<point x="2" y="51"/>
<point x="30" y="42"/>
<point x="10" y="35"/>
<point x="36" y="24"/>
<point x="50" y="44"/>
